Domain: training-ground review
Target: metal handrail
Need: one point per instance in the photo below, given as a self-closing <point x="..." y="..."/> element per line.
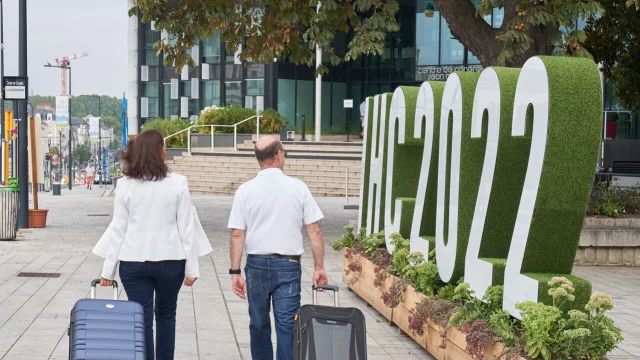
<point x="235" y="132"/>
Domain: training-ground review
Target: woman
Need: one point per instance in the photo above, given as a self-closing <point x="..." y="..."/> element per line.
<point x="156" y="236"/>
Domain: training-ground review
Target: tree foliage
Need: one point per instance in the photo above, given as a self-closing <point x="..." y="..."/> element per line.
<point x="613" y="41"/>
<point x="82" y="154"/>
<point x="271" y="29"/>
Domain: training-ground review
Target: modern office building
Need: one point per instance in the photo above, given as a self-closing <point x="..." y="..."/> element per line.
<point x="423" y="49"/>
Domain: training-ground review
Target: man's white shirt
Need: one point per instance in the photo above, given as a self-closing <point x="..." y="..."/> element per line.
<point x="272" y="208"/>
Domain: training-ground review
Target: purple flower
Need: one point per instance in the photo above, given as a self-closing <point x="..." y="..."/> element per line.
<point x="616" y="210"/>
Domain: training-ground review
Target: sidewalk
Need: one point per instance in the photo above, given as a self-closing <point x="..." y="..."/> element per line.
<point x="212" y="322"/>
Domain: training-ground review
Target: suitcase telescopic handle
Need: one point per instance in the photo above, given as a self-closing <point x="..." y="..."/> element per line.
<point x="333" y="288"/>
<point x="97" y="281"/>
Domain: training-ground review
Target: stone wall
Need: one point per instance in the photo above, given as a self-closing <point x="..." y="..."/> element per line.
<point x="611" y="242"/>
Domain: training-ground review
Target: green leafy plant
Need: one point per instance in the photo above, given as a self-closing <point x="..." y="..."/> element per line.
<point x="400" y="255"/>
<point x="270" y="120"/>
<point x="542" y="329"/>
<point x="561" y="291"/>
<point x="374" y="242"/>
<point x="472" y="308"/>
<point x="612" y="210"/>
<point x="423" y="275"/>
<point x="169" y="127"/>
<point x="349" y="239"/>
<point x="593" y="334"/>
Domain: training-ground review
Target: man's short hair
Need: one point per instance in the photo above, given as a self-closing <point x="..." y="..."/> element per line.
<point x="268" y="152"/>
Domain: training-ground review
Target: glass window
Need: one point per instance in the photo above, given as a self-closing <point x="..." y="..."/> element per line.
<point x="233" y="93"/>
<point x="452" y="50"/>
<point x="286" y="100"/>
<point x="428" y="35"/>
<point x="150" y="91"/>
<point x="338" y="116"/>
<point x="171" y="107"/>
<point x="473" y="60"/>
<point x="255" y="86"/>
<point x="185" y="88"/>
<point x="325" y="108"/>
<point x="498" y="17"/>
<point x="232" y="58"/>
<point x="211" y="93"/>
<point x="304" y="104"/>
<point x="194" y="107"/>
<point x="150" y="38"/>
<point x="211" y="49"/>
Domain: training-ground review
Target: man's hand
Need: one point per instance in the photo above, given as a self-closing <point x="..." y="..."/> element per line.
<point x="188" y="281"/>
<point x="239" y="286"/>
<point x="320" y="278"/>
<point x="105" y="282"/>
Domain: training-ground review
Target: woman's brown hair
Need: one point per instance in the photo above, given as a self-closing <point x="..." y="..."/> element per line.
<point x="144" y="157"/>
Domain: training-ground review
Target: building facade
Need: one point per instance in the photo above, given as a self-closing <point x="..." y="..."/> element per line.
<point x="423" y="49"/>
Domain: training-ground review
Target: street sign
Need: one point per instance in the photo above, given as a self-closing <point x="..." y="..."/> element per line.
<point x="14" y="88"/>
<point x="348" y="103"/>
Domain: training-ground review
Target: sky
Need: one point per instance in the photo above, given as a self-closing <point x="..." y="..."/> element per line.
<point x="57" y="28"/>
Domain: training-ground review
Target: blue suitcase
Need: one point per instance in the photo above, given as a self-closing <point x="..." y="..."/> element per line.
<point x="106" y="329"/>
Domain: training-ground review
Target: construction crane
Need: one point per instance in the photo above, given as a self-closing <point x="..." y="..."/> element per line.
<point x="63" y="63"/>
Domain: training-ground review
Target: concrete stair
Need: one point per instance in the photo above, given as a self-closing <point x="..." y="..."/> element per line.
<point x="322" y="166"/>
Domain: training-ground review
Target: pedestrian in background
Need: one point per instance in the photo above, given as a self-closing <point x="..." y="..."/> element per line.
<point x="267" y="217"/>
<point x="156" y="236"/>
<point x="89" y="176"/>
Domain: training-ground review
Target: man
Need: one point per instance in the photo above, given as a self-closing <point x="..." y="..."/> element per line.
<point x="90" y="173"/>
<point x="266" y="219"/>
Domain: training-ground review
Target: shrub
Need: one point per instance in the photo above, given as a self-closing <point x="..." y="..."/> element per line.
<point x="613" y="201"/>
<point x="168" y="127"/>
<point x="270" y="121"/>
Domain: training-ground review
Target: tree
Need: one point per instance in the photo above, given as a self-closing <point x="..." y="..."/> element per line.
<point x="530" y="27"/>
<point x="613" y="41"/>
<point x="82" y="154"/>
<point x="270" y="29"/>
<point x="114" y="123"/>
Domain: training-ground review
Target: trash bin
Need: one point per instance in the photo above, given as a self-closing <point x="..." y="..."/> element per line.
<point x="9" y="203"/>
<point x="56" y="188"/>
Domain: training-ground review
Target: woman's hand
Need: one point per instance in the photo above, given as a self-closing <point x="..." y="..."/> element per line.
<point x="189" y="281"/>
<point x="105" y="282"/>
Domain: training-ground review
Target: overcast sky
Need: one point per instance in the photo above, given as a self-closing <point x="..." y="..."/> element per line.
<point x="64" y="27"/>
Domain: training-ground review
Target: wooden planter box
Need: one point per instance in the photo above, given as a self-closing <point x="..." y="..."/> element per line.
<point x="431" y="340"/>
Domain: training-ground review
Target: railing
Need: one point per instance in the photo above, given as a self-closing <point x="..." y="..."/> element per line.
<point x="211" y="128"/>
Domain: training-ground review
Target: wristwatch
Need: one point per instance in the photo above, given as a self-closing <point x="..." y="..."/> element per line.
<point x="235" y="272"/>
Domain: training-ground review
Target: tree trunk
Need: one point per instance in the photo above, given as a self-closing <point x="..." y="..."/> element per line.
<point x="480" y="38"/>
<point x="472" y="31"/>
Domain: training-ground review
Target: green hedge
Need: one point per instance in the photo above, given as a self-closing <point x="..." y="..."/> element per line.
<point x="270" y="120"/>
<point x="168" y="127"/>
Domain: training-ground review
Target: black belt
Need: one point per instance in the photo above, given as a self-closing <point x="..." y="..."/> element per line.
<point x="275" y="256"/>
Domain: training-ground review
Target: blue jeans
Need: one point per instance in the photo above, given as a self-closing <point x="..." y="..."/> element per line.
<point x="165" y="278"/>
<point x="277" y="281"/>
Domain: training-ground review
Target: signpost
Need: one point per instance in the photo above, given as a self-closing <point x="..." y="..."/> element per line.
<point x="348" y="104"/>
<point x="15" y="87"/>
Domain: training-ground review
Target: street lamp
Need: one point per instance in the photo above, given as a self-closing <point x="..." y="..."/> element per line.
<point x="99" y="138"/>
<point x="70" y="125"/>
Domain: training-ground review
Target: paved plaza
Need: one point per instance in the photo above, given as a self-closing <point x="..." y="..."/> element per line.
<point x="212" y="322"/>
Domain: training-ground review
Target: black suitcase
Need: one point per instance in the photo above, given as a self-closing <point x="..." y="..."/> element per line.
<point x="329" y="332"/>
<point x="106" y="329"/>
